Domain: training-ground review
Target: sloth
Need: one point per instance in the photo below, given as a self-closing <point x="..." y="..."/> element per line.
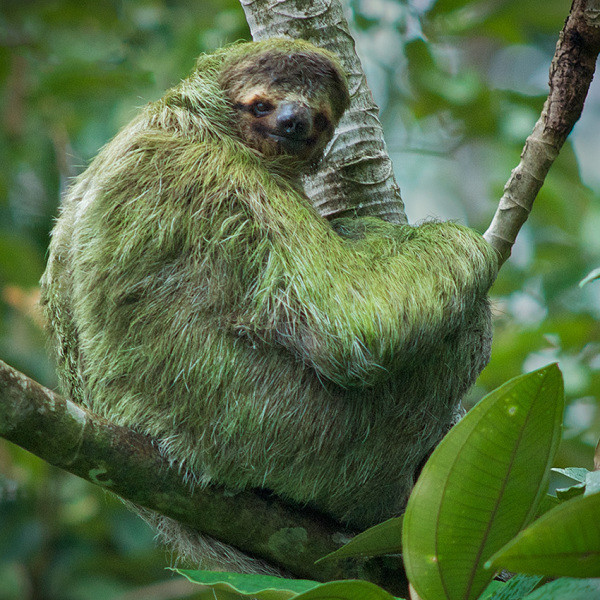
<point x="195" y="295"/>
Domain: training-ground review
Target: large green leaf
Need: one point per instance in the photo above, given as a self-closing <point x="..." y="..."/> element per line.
<point x="564" y="541"/>
<point x="264" y="587"/>
<point x="384" y="538"/>
<point x="567" y="589"/>
<point x="346" y="590"/>
<point x="492" y="588"/>
<point x="482" y="485"/>
<point x="516" y="587"/>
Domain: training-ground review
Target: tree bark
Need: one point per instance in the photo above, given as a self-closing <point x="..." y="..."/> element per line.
<point x="356" y="176"/>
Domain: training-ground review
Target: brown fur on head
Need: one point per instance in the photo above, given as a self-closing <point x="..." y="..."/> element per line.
<point x="287" y="101"/>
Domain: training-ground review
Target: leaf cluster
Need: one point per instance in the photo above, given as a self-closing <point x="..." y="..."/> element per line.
<point x="475" y="511"/>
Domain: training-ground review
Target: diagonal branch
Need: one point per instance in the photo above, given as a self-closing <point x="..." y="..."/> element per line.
<point x="571" y="73"/>
<point x="129" y="464"/>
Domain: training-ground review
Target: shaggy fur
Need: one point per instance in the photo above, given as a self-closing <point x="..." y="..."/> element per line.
<point x="195" y="295"/>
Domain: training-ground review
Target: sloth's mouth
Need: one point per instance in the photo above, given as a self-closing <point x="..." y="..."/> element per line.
<point x="292" y="145"/>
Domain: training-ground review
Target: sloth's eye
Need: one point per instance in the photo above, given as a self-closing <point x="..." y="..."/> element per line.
<point x="261" y="108"/>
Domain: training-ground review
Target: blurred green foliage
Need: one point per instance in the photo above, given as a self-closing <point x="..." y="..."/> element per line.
<point x="460" y="84"/>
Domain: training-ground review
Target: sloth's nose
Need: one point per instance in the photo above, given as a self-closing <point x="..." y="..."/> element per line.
<point x="293" y="120"/>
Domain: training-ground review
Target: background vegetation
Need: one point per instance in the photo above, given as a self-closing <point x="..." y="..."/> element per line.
<point x="460" y="85"/>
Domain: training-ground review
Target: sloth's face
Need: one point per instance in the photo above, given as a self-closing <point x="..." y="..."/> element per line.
<point x="286" y="103"/>
<point x="278" y="124"/>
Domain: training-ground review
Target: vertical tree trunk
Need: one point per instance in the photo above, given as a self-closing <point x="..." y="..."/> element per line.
<point x="356" y="176"/>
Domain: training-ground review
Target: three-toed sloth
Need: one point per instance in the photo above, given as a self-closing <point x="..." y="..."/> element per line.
<point x="196" y="295"/>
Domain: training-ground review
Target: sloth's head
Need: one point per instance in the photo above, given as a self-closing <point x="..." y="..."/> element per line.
<point x="288" y="97"/>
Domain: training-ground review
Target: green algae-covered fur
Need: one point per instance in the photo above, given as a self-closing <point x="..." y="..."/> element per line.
<point x="195" y="295"/>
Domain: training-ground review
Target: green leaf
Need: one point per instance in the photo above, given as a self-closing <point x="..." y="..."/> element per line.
<point x="546" y="503"/>
<point x="384" y="538"/>
<point x="570" y="492"/>
<point x="493" y="588"/>
<point x="517" y="587"/>
<point x="265" y="587"/>
<point x="262" y="587"/>
<point x="567" y="483"/>
<point x="567" y="589"/>
<point x="564" y="541"/>
<point x="592" y="483"/>
<point x="482" y="485"/>
<point x="570" y="474"/>
<point x="208" y="593"/>
<point x="346" y="590"/>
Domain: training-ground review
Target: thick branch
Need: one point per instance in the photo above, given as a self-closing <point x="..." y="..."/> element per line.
<point x="571" y="73"/>
<point x="356" y="176"/>
<point x="130" y="465"/>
